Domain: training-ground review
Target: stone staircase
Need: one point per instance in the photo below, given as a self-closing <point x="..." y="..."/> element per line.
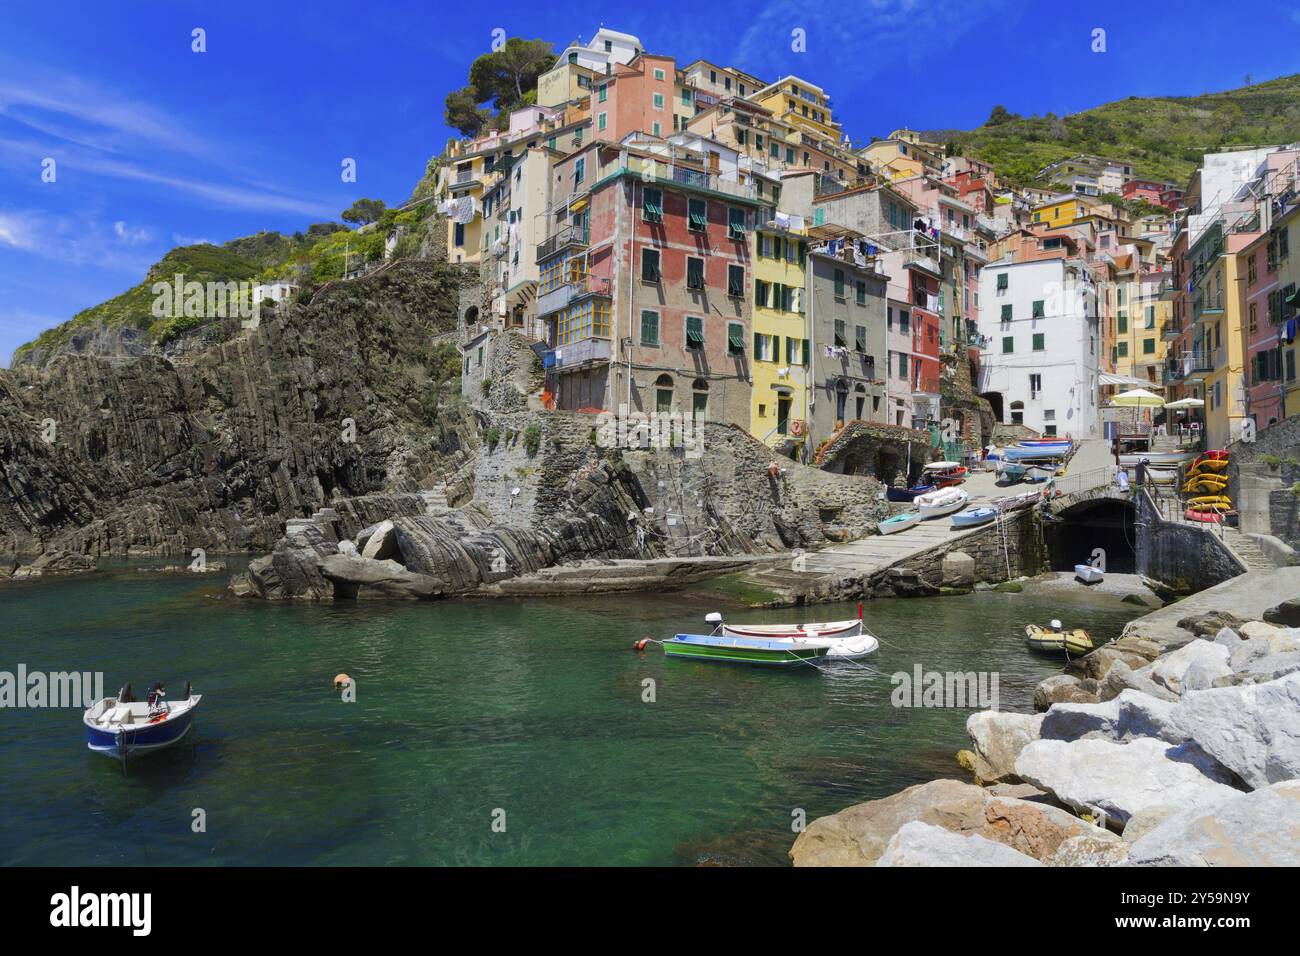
<point x="1246" y="550"/>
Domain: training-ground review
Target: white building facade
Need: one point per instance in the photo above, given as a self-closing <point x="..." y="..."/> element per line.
<point x="1042" y="363"/>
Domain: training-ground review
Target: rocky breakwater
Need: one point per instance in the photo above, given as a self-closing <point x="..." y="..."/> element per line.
<point x="548" y="505"/>
<point x="219" y="439"/>
<point x="1191" y="759"/>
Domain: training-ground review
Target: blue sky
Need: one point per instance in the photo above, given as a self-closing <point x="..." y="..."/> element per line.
<point x="158" y="146"/>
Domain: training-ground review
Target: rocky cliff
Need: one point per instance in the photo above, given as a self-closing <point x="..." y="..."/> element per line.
<point x="218" y="442"/>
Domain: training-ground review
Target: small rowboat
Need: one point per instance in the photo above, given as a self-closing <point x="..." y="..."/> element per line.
<point x="1038" y="473"/>
<point x="1053" y="640"/>
<point x="847" y="640"/>
<point x="1087" y="573"/>
<point x="1013" y="470"/>
<point x="973" y="517"/>
<point x="907" y="494"/>
<point x="899" y="522"/>
<point x="745" y="650"/>
<point x="944" y="474"/>
<point x="944" y="502"/>
<point x="124" y="727"/>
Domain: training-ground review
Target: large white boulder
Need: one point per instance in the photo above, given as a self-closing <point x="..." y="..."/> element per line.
<point x="1253" y="729"/>
<point x="921" y="844"/>
<point x="1249" y="829"/>
<point x="1122" y="779"/>
<point x="1209" y="657"/>
<point x="997" y="738"/>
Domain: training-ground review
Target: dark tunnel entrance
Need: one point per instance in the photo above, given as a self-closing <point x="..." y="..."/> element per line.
<point x="1102" y="523"/>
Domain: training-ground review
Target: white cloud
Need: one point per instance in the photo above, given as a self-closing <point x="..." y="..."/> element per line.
<point x="191" y="240"/>
<point x="79" y="241"/>
<point x="132" y="236"/>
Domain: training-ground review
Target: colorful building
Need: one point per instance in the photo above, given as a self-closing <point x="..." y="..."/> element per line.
<point x="646" y="283"/>
<point x="781" y="403"/>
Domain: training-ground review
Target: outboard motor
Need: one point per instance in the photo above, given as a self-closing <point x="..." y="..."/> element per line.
<point x="185" y="693"/>
<point x="124" y="695"/>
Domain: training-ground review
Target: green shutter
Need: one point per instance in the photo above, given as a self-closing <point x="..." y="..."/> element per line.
<point x="698" y="214"/>
<point x="1038" y="342"/>
<point x="757" y="351"/>
<point x="694" y="332"/>
<point x="806" y="353"/>
<point x="649" y="327"/>
<point x="735" y="337"/>
<point x="1008" y="344"/>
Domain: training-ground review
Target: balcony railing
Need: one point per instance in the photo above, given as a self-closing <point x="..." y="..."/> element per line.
<point x="685" y="175"/>
<point x="575" y="288"/>
<point x="1194" y="364"/>
<point x="1171" y="329"/>
<point x="565" y="236"/>
<point x="1208" y="306"/>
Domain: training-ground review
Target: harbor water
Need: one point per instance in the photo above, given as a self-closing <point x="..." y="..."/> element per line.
<point x="522" y="732"/>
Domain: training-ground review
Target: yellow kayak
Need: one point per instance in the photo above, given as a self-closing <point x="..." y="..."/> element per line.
<point x="1207" y="502"/>
<point x="1209" y="465"/>
<point x="1213" y="483"/>
<point x="1053" y="641"/>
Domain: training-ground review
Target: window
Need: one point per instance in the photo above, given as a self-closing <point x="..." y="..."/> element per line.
<point x="658" y="101"/>
<point x="697" y="213"/>
<point x="664" y="393"/>
<point x="839" y="283"/>
<point x="603" y="94"/>
<point x="1035" y="384"/>
<point x="736" y="223"/>
<point x="762" y="347"/>
<point x="1148" y="346"/>
<point x="860" y="338"/>
<point x="1123" y="350"/>
<point x="1002" y="281"/>
<point x="579" y="170"/>
<point x="1038" y="342"/>
<point x="1006" y="313"/>
<point x="694" y="332"/>
<point x="904" y="317"/>
<point x="1122" y="319"/>
<point x="652" y="205"/>
<point x="735" y="280"/>
<point x="791" y="351"/>
<point x="656" y="129"/>
<point x="694" y="273"/>
<point x="1150" y="317"/>
<point x="649" y="327"/>
<point x="761" y="293"/>
<point x="862" y="292"/>
<point x="902" y="365"/>
<point x="735" y="338"/>
<point x="841" y="341"/>
<point x="659" y="74"/>
<point x="649" y="265"/>
<point x="1038" y="309"/>
<point x="601" y="121"/>
<point x="460" y="234"/>
<point x="1008" y="344"/>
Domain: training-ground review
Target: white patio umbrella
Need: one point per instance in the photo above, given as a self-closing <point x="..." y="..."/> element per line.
<point x="1138" y="398"/>
<point x="1185" y="403"/>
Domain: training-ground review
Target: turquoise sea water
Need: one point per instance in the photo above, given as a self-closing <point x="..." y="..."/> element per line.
<point x="530" y="707"/>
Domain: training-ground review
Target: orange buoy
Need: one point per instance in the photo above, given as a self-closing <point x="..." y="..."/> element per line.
<point x="341" y="679"/>
<point x="641" y="644"/>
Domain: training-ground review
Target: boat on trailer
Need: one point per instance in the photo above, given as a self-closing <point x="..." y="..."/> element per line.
<point x="848" y="640"/>
<point x="124" y="727"/>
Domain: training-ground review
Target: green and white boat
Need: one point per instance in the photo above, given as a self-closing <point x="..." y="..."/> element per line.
<point x="745" y="650"/>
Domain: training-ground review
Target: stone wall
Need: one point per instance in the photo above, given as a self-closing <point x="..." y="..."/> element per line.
<point x="889" y="453"/>
<point x="1184" y="558"/>
<point x="1017" y="549"/>
<point x="1262" y="474"/>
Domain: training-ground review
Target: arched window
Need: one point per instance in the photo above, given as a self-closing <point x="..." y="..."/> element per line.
<point x="1017" y="413"/>
<point x="471" y="315"/>
<point x="841" y="399"/>
<point x="664" y="393"/>
<point x="699" y="400"/>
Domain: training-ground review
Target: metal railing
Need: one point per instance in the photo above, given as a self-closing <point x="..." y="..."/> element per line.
<point x="1085" y="480"/>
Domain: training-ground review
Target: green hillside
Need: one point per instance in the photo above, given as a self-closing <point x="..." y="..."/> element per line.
<point x="1162" y="137"/>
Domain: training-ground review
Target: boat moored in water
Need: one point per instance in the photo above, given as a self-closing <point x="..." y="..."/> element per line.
<point x="847" y="640"/>
<point x="122" y="726"/>
<point x="1054" y="640"/>
<point x="745" y="650"/>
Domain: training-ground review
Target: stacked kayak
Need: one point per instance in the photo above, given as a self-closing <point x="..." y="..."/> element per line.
<point x="1206" y="486"/>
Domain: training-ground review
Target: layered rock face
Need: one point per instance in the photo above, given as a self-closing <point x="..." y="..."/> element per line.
<point x="220" y="444"/>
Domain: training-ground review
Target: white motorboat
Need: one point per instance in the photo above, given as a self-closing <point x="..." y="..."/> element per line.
<point x="943" y="502"/>
<point x="846" y="640"/>
<point x="122" y="726"/>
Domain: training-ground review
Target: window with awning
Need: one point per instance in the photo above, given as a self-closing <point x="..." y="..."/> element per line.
<point x="735" y="338"/>
<point x="697" y="213"/>
<point x="694" y="332"/>
<point x="652" y="205"/>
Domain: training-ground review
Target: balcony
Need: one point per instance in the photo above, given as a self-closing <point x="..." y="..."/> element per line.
<point x="570" y="236"/>
<point x="1192" y="366"/>
<point x="683" y="175"/>
<point x="575" y="288"/>
<point x="1171" y="330"/>
<point x="464" y="179"/>
<point x="1207" y="307"/>
<point x="582" y="352"/>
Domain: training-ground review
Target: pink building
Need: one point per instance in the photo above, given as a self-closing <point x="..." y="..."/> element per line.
<point x="635" y="97"/>
<point x="1264" y="383"/>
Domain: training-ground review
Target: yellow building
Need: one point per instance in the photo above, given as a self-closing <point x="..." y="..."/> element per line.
<point x="1067" y="210"/>
<point x="780" y="404"/>
<point x="804" y="106"/>
<point x="1138" y="317"/>
<point x="900" y="159"/>
<point x="1217" y="335"/>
